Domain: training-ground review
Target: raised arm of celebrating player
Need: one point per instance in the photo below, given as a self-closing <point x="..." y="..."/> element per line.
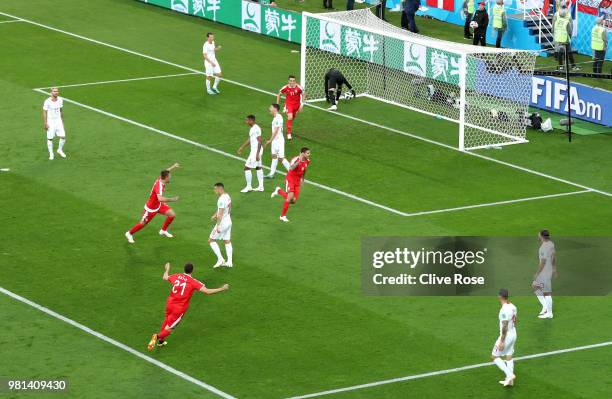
<point x="210" y="291"/>
<point x="166" y="271"/>
<point x="173" y="166"/>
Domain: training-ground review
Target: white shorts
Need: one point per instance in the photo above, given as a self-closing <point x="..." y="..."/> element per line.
<point x="252" y="162"/>
<point x="212" y="70"/>
<point x="55" y="129"/>
<point x="544" y="283"/>
<point x="508" y="346"/>
<point x="224" y="233"/>
<point x="278" y="148"/>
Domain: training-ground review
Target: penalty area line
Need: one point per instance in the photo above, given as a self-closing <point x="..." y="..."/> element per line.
<point x="117" y="344"/>
<point x="447" y="371"/>
<point x="390" y="129"/>
<point x="103" y="82"/>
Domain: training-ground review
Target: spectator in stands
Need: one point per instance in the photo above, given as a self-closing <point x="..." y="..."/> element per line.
<point x="468" y="12"/>
<point x="410" y="9"/>
<point x="327" y="4"/>
<point x="599" y="44"/>
<point x="350" y="5"/>
<point x="482" y="19"/>
<point x="500" y="23"/>
<point x="562" y="32"/>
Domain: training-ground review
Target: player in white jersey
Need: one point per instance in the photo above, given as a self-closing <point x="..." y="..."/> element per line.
<point x="547" y="269"/>
<point x="504" y="345"/>
<point x="277" y="141"/>
<point x="211" y="65"/>
<point x="254" y="160"/>
<point x="223" y="227"/>
<point x="53" y="120"/>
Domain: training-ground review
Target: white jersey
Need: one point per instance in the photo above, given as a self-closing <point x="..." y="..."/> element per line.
<point x="277" y="122"/>
<point x="209" y="50"/>
<point x="224" y="202"/>
<point x="508" y="313"/>
<point x="546" y="254"/>
<point x="254" y="133"/>
<point x="54" y="109"/>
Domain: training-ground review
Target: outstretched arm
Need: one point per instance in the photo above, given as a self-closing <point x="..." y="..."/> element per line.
<point x="210" y="291"/>
<point x="173" y="166"/>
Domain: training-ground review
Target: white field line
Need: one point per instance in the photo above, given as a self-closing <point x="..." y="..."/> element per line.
<point x="116" y="344"/>
<point x="508" y="164"/>
<point x="447" y="371"/>
<point x="11" y="21"/>
<point x="313" y="183"/>
<point x="119" y="80"/>
<point x="460" y="208"/>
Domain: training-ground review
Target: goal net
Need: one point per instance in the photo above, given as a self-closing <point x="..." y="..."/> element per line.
<point x="484" y="90"/>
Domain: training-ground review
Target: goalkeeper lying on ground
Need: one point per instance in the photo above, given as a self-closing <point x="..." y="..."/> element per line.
<point x="334" y="79"/>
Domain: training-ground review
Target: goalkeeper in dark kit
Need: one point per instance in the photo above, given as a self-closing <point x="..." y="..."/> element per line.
<point x="334" y="80"/>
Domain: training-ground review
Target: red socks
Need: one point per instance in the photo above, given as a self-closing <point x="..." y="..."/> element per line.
<point x="289" y="126"/>
<point x="285" y="208"/>
<point x="163" y="334"/>
<point x="136" y="227"/>
<point x="167" y="222"/>
<point x="282" y="193"/>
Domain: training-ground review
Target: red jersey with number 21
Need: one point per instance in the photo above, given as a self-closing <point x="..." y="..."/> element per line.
<point x="183" y="287"/>
<point x="296" y="175"/>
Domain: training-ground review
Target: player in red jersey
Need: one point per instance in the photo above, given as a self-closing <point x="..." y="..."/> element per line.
<point x="157" y="203"/>
<point x="183" y="287"/>
<point x="293" y="181"/>
<point x="293" y="101"/>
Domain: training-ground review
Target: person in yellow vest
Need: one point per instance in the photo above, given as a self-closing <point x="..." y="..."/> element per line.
<point x="599" y="44"/>
<point x="562" y="34"/>
<point x="500" y="23"/>
<point x="469" y="6"/>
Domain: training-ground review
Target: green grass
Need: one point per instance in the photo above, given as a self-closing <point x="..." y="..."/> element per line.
<point x="295" y="320"/>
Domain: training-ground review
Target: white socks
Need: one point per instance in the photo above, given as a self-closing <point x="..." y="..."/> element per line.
<point x="510" y="366"/>
<point x="216" y="82"/>
<point x="50" y="147"/>
<point x="60" y="147"/>
<point x="273" y="166"/>
<point x="286" y="164"/>
<point x="249" y="177"/>
<point x="260" y="177"/>
<point x="549" y="303"/>
<point x="542" y="300"/>
<point x="207" y="84"/>
<point x="230" y="252"/>
<point x="216" y="250"/>
<point x="502" y="366"/>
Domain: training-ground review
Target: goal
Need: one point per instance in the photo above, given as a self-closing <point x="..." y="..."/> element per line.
<point x="484" y="90"/>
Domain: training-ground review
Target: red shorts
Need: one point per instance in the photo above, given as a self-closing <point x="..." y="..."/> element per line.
<point x="292" y="109"/>
<point x="292" y="186"/>
<point x="148" y="216"/>
<point x="174" y="315"/>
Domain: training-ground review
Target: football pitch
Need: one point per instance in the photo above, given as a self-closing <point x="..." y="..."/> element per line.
<point x="79" y="302"/>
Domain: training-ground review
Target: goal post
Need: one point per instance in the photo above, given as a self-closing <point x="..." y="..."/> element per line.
<point x="486" y="91"/>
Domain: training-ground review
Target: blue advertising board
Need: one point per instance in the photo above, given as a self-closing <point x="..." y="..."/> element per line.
<point x="587" y="103"/>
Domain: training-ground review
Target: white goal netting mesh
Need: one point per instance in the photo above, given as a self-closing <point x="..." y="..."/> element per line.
<point x="432" y="76"/>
